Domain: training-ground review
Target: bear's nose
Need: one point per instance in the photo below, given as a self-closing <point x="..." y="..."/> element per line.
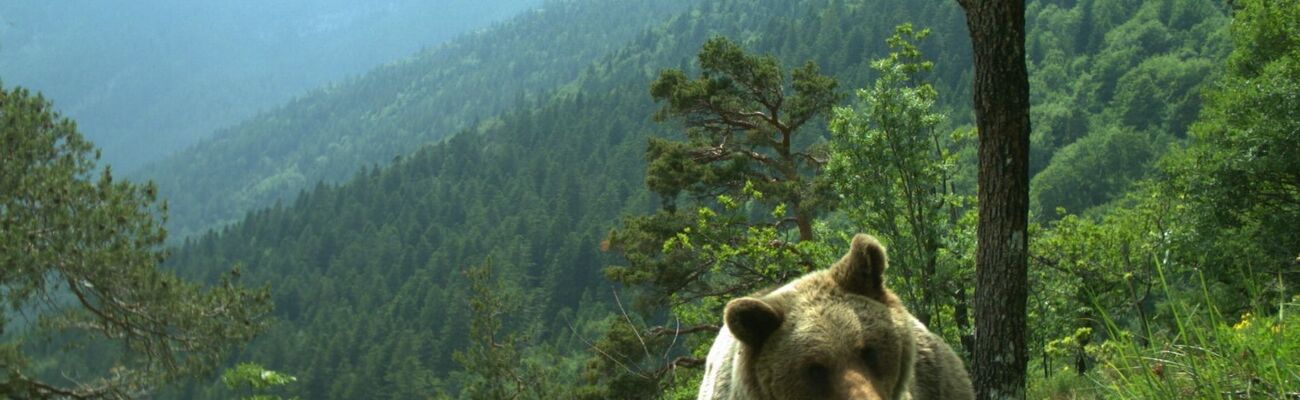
<point x="856" y="386"/>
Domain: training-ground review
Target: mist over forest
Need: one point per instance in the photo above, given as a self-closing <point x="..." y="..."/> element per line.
<point x="609" y="199"/>
<point x="147" y="78"/>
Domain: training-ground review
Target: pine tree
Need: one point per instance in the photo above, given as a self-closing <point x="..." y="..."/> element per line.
<point x="68" y="231"/>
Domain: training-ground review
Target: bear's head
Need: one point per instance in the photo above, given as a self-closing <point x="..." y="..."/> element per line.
<point x="832" y="334"/>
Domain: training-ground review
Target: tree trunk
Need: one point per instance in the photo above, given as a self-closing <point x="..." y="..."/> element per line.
<point x="804" y="222"/>
<point x="997" y="29"/>
<point x="962" y="315"/>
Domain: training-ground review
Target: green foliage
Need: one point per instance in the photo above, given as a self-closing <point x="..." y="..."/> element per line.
<point x="1113" y="73"/>
<point x="255" y="378"/>
<point x="79" y="254"/>
<point x="495" y="365"/>
<point x="469" y="83"/>
<point x="331" y="133"/>
<point x="368" y="273"/>
<point x="1161" y="275"/>
<point x="741" y="130"/>
<point x="619" y="342"/>
<point x="744" y="138"/>
<point x="492" y="354"/>
<point x="1090" y="171"/>
<point x="894" y="173"/>
<point x="1207" y="354"/>
<point x="1239" y="169"/>
<point x="1263" y="38"/>
<point x="1160" y="93"/>
<point x="1083" y="268"/>
<point x="728" y="255"/>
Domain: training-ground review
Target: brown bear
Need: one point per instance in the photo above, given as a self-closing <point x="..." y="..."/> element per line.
<point x="836" y="333"/>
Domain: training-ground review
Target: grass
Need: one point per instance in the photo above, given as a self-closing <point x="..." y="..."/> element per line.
<point x="1208" y="354"/>
<point x="1200" y="353"/>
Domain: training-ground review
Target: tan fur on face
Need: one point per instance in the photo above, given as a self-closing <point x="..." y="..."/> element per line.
<point x="828" y="328"/>
<point x="833" y="334"/>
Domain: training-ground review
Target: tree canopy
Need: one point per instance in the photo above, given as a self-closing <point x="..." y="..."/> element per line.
<point x="79" y="256"/>
<point x="368" y="274"/>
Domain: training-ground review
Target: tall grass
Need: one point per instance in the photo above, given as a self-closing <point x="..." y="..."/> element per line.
<point x="1204" y="354"/>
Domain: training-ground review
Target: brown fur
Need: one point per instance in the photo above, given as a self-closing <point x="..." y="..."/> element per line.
<point x="837" y="333"/>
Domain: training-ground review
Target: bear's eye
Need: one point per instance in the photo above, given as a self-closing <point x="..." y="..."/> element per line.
<point x="870" y="356"/>
<point x="817" y="373"/>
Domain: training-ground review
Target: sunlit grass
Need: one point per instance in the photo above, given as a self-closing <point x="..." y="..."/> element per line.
<point x="1202" y="354"/>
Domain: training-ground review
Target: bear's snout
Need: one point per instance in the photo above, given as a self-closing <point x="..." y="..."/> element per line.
<point x="856" y="386"/>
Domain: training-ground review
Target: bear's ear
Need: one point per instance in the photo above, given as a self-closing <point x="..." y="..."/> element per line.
<point x="862" y="270"/>
<point x="752" y="320"/>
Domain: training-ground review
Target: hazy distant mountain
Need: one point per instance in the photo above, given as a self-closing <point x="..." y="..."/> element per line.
<point x="553" y="113"/>
<point x="390" y="111"/>
<point x="146" y="78"/>
<point x="367" y="275"/>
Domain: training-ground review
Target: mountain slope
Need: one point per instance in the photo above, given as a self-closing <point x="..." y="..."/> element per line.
<point x="147" y="78"/>
<point x="330" y="133"/>
<point x="367" y="274"/>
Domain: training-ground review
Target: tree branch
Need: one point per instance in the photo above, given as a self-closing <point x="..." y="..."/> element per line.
<point x="661" y="331"/>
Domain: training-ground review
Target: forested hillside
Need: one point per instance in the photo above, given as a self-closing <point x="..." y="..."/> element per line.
<point x="534" y="192"/>
<point x="369" y="276"/>
<point x="144" y="79"/>
<point x="332" y="132"/>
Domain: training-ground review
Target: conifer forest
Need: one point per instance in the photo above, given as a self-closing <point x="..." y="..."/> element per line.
<point x="563" y="199"/>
